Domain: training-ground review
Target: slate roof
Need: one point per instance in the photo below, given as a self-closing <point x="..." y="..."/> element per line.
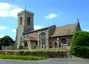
<point x="64" y="30"/>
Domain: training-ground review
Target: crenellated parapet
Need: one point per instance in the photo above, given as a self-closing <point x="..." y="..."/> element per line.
<point x="26" y="12"/>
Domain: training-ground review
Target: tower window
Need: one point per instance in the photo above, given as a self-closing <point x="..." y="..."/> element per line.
<point x="28" y="20"/>
<point x="20" y="20"/>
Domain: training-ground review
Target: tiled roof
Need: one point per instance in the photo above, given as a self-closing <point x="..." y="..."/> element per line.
<point x="64" y="30"/>
<point x="33" y="36"/>
<point x="38" y="30"/>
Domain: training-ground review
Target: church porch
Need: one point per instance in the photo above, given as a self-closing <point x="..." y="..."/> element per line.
<point x="29" y="44"/>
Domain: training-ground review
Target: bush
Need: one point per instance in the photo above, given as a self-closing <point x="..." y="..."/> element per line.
<point x="80" y="44"/>
<point x="50" y="54"/>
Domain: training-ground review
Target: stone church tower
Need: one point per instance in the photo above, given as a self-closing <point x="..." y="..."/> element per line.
<point x="25" y="25"/>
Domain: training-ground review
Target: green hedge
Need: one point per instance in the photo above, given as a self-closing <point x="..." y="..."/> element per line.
<point x="50" y="54"/>
<point x="81" y="51"/>
<point x="80" y="44"/>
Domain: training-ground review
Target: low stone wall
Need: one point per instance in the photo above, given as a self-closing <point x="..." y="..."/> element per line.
<point x="50" y="54"/>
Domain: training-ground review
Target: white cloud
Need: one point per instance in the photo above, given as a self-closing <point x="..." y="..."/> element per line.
<point x="14" y="30"/>
<point x="9" y="10"/>
<point x="1" y="36"/>
<point x="37" y="27"/>
<point x="50" y="16"/>
<point x="3" y="27"/>
<point x="4" y="5"/>
<point x="14" y="12"/>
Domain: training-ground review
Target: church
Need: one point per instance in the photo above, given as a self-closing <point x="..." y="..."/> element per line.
<point x="48" y="37"/>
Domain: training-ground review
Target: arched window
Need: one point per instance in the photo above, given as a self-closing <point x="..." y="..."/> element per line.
<point x="20" y="20"/>
<point x="43" y="39"/>
<point x="64" y="41"/>
<point x="28" y="20"/>
<point x="25" y="44"/>
<point x="56" y="44"/>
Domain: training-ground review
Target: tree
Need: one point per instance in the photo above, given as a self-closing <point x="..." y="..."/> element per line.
<point x="1" y="42"/>
<point x="80" y="44"/>
<point x="6" y="41"/>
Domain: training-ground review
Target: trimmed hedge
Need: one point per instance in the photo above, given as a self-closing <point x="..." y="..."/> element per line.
<point x="80" y="44"/>
<point x="50" y="54"/>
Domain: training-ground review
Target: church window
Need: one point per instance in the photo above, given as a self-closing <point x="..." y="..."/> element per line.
<point x="28" y="20"/>
<point x="64" y="41"/>
<point x="20" y="20"/>
<point x="43" y="39"/>
<point x="25" y="44"/>
<point x="55" y="44"/>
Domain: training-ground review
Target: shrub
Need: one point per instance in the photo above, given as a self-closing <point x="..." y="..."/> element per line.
<point x="80" y="44"/>
<point x="50" y="54"/>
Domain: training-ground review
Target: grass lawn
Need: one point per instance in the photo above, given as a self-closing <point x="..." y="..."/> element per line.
<point x="22" y="57"/>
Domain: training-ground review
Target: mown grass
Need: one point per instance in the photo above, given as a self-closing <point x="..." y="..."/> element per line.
<point x="20" y="57"/>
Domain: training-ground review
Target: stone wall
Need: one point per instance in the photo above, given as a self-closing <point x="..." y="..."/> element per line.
<point x="47" y="38"/>
<point x="68" y="39"/>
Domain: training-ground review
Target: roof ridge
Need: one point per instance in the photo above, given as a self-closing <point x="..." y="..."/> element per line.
<point x="40" y="29"/>
<point x="67" y="25"/>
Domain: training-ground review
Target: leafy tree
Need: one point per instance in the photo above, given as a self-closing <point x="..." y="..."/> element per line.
<point x="1" y="42"/>
<point x="80" y="44"/>
<point x="6" y="41"/>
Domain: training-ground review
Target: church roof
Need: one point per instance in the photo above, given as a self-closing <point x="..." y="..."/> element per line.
<point x="57" y="31"/>
<point x="38" y="30"/>
<point x="33" y="36"/>
<point x="65" y="30"/>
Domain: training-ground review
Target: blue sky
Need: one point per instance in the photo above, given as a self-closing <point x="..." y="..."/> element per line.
<point x="46" y="13"/>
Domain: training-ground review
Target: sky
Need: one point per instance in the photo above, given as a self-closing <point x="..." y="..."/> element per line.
<point x="46" y="13"/>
